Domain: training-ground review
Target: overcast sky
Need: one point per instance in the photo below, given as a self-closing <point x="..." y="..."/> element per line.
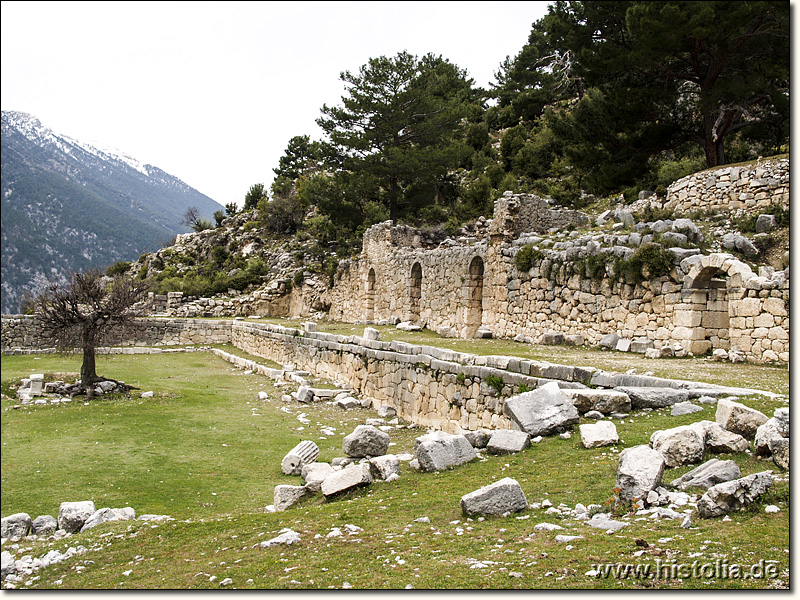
<point x="211" y="92"/>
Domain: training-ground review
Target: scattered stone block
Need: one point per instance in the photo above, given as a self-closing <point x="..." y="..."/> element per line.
<point x="684" y="408"/>
<point x="72" y="515"/>
<point x="653" y="397"/>
<point x="314" y="474"/>
<point x="738" y="418"/>
<point x="708" y="474"/>
<point x="640" y="470"/>
<point x="609" y="341"/>
<point x="543" y="411"/>
<point x="366" y="440"/>
<point x="383" y="467"/>
<point x="602" y="433"/>
<point x="109" y="514"/>
<point x="287" y="537"/>
<point x="730" y="496"/>
<point x="623" y="345"/>
<point x="44" y="525"/>
<point x="387" y="412"/>
<point x="679" y="445"/>
<point x="720" y="440"/>
<point x="439" y="451"/>
<point x="499" y="498"/>
<point x="780" y="452"/>
<point x="370" y="333"/>
<point x="304" y="453"/>
<point x="601" y="521"/>
<point x="641" y="345"/>
<point x="765" y="434"/>
<point x="354" y="475"/>
<point x="508" y="441"/>
<point x="287" y="495"/>
<point x="18" y="524"/>
<point x="479" y="438"/>
<point x="552" y="338"/>
<point x="603" y="401"/>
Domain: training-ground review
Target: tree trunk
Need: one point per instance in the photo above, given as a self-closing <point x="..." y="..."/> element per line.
<point x="88" y="369"/>
<point x="715" y="148"/>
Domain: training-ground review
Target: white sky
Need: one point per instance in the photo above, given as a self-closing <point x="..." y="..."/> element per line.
<point x="211" y="92"/>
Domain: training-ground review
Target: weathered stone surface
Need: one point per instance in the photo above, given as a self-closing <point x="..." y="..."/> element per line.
<point x="733" y="495"/>
<point x="386" y="412"/>
<point x="351" y="476"/>
<point x="765" y="434"/>
<point x="679" y="445"/>
<point x="640" y="470"/>
<point x="7" y="564"/>
<point x="72" y="515"/>
<point x="442" y="451"/>
<point x="602" y="433"/>
<point x="383" y="467"/>
<point x="604" y="401"/>
<point x="304" y="453"/>
<point x="101" y="515"/>
<point x="780" y="452"/>
<point x="552" y="338"/>
<point x="738" y="418"/>
<point x="653" y="397"/>
<point x="542" y="411"/>
<point x="479" y="438"/>
<point x="287" y="495"/>
<point x="508" y="441"/>
<point x="781" y="415"/>
<point x="314" y="474"/>
<point x="370" y="333"/>
<point x="609" y="341"/>
<point x="684" y="408"/>
<point x="601" y="521"/>
<point x="18" y="524"/>
<point x="287" y="537"/>
<point x="366" y="440"/>
<point x="305" y="394"/>
<point x="720" y="440"/>
<point x="44" y="525"/>
<point x="708" y="474"/>
<point x="499" y="498"/>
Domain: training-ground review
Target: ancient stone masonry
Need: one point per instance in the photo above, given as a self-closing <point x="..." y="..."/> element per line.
<point x="705" y="302"/>
<point x="732" y="188"/>
<point x="21" y="332"/>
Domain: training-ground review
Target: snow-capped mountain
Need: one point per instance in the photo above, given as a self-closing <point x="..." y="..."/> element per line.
<point x="69" y="206"/>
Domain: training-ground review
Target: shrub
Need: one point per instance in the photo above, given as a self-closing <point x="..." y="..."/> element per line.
<point x="496" y="382"/>
<point x="649" y="261"/>
<point x="118" y="268"/>
<point x="526" y="256"/>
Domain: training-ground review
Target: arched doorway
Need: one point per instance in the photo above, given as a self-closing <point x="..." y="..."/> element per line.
<point x="369" y="304"/>
<point x="415" y="291"/>
<point x="474" y="297"/>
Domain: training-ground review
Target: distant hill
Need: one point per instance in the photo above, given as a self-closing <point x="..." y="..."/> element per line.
<point x="68" y="206"/>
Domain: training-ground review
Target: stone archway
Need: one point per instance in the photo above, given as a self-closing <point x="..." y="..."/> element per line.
<point x="710" y="292"/>
<point x="415" y="291"/>
<point x="369" y="299"/>
<point x="474" y="297"/>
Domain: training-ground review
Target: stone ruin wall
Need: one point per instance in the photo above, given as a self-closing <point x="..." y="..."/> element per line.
<point x="732" y="188"/>
<point x="705" y="303"/>
<point x="21" y="333"/>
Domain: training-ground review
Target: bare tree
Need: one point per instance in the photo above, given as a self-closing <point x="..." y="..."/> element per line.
<point x="85" y="311"/>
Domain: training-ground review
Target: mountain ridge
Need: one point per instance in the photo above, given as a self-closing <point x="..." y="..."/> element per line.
<point x="68" y="205"/>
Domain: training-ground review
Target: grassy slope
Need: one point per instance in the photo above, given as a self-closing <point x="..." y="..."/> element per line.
<point x="207" y="452"/>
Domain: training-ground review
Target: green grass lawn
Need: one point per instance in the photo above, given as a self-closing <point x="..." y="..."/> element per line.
<point x="206" y="451"/>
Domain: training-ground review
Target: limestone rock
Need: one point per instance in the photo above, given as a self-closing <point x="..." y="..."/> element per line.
<point x="479" y="438"/>
<point x="18" y="524"/>
<point x="604" y="401"/>
<point x="287" y="495"/>
<point x="354" y="475"/>
<point x="383" y="467"/>
<point x="366" y="440"/>
<point x="720" y="440"/>
<point x="765" y="434"/>
<point x="733" y="495"/>
<point x="738" y="418"/>
<point x="601" y="521"/>
<point x="684" y="408"/>
<point x="602" y="433"/>
<point x="287" y="537"/>
<point x="442" y="451"/>
<point x="708" y="474"/>
<point x="72" y="515"/>
<point x="653" y="397"/>
<point x="314" y="474"/>
<point x="780" y="452"/>
<point x="609" y="341"/>
<point x="508" y="441"/>
<point x="679" y="445"/>
<point x="304" y="453"/>
<point x="386" y="412"/>
<point x="499" y="498"/>
<point x="781" y="415"/>
<point x="109" y="514"/>
<point x="640" y="470"/>
<point x="44" y="525"/>
<point x="542" y="411"/>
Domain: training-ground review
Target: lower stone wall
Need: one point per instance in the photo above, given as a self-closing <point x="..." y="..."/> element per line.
<point x="22" y="332"/>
